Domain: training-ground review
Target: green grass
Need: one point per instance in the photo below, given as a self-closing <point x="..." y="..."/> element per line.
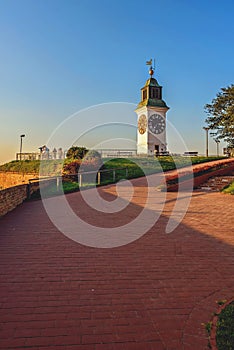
<point x="208" y="326"/>
<point x="151" y="165"/>
<point x="26" y="166"/>
<point x="52" y="167"/>
<point x="70" y="186"/>
<point x="154" y="165"/>
<point x="52" y="190"/>
<point x="229" y="189"/>
<point x="225" y="328"/>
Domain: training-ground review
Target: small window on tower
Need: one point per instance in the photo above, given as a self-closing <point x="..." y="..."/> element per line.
<point x="157" y="93"/>
<point x="154" y="93"/>
<point x="160" y="93"/>
<point x="144" y="95"/>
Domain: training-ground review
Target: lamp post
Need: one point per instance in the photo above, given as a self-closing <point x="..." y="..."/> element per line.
<point x="217" y="144"/>
<point x="21" y="144"/>
<point x="206" y="128"/>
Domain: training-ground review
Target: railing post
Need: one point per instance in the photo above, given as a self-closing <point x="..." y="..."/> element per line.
<point x="57" y="183"/>
<point x="99" y="178"/>
<point x="80" y="180"/>
<point x="114" y="175"/>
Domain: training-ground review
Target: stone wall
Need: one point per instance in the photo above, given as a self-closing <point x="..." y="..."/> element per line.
<point x="11" y="197"/>
<point x="10" y="179"/>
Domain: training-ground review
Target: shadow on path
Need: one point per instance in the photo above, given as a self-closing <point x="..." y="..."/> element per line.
<point x="151" y="294"/>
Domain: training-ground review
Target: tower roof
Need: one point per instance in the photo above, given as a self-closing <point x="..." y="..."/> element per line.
<point x="151" y="82"/>
<point x="152" y="102"/>
<point x="151" y="93"/>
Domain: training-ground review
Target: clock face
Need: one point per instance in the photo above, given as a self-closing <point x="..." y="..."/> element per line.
<point x="157" y="124"/>
<point x="142" y="124"/>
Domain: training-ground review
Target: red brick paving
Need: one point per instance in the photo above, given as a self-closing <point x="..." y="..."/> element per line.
<point x="154" y="293"/>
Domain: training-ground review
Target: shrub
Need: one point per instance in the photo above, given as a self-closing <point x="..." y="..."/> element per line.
<point x="76" y="152"/>
<point x="71" y="167"/>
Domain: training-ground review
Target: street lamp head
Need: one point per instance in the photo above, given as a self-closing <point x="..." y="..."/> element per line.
<point x="22" y="135"/>
<point x="206" y="128"/>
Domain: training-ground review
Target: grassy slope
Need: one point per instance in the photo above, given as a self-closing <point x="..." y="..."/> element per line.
<point x="32" y="166"/>
<point x="154" y="165"/>
<point x="151" y="164"/>
<point x="144" y="165"/>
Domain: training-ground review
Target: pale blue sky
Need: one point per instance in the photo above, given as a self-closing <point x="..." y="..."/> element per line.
<point x="58" y="57"/>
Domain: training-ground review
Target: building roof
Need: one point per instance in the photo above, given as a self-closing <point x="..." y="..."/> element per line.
<point x="152" y="102"/>
<point x="151" y="82"/>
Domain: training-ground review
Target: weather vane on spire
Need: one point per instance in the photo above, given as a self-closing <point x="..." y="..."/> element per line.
<point x="151" y="70"/>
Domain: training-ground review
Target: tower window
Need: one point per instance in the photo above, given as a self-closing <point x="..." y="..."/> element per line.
<point x="144" y="95"/>
<point x="155" y="93"/>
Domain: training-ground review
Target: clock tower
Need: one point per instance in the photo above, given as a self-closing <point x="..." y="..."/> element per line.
<point x="151" y="112"/>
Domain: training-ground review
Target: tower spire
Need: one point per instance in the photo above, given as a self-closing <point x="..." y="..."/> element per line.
<point x="151" y="113"/>
<point x="151" y="72"/>
<point x="152" y="68"/>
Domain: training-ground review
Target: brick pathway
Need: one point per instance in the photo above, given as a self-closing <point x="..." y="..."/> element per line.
<point x="154" y="293"/>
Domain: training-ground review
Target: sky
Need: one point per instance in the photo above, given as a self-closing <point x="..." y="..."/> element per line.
<point x="58" y="57"/>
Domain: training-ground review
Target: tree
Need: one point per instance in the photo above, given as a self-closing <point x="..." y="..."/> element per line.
<point x="76" y="152"/>
<point x="221" y="115"/>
